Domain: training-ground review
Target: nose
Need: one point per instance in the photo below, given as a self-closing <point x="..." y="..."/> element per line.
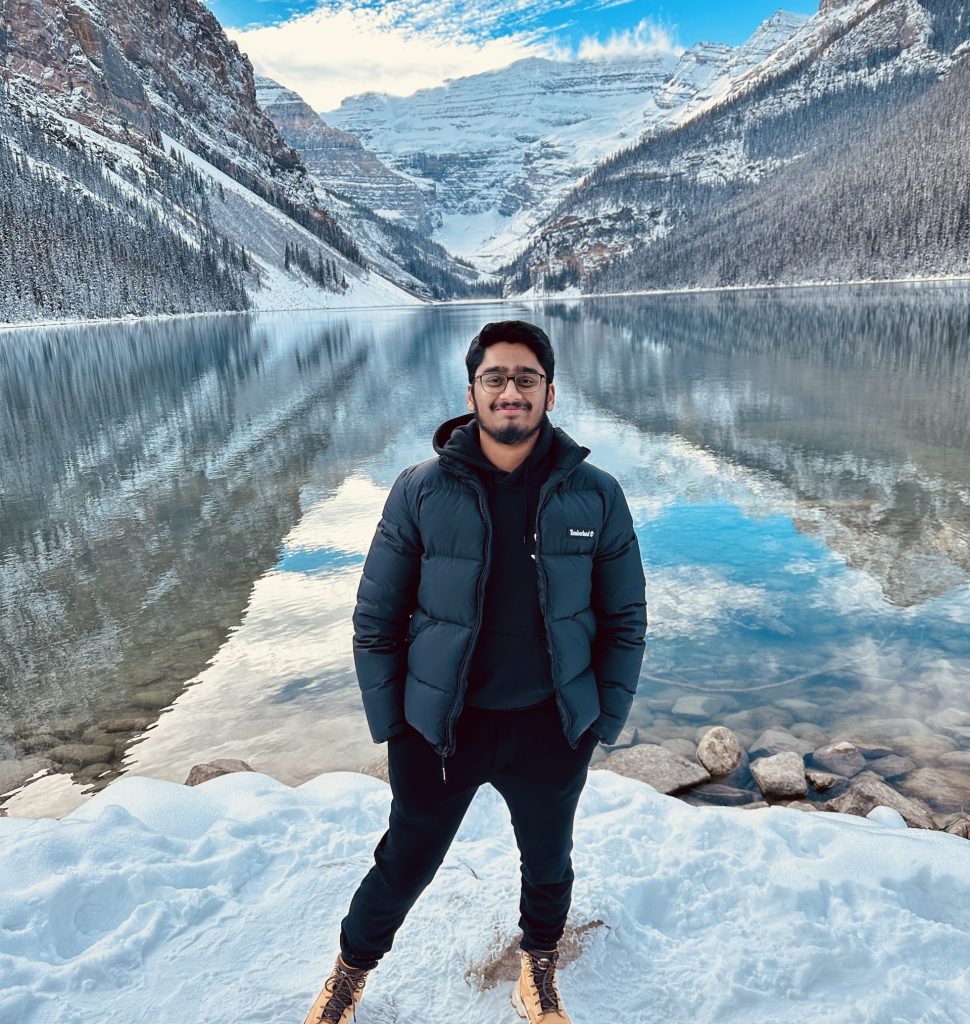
<point x="510" y="383"/>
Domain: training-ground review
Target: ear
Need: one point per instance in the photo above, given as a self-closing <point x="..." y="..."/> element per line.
<point x="469" y="404"/>
<point x="550" y="396"/>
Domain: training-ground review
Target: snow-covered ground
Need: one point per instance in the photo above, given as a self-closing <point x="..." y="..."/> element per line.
<point x="162" y="903"/>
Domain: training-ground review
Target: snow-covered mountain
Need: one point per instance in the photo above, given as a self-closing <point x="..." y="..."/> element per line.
<point x="131" y="140"/>
<point x="359" y="188"/>
<point x="339" y="161"/>
<point x="775" y="178"/>
<point x="500" y="149"/>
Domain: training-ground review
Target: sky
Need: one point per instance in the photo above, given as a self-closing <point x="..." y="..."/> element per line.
<point x="329" y="49"/>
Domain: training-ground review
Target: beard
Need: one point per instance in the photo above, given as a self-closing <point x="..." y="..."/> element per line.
<point x="510" y="433"/>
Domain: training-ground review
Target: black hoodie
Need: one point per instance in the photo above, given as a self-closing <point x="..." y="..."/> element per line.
<point x="510" y="665"/>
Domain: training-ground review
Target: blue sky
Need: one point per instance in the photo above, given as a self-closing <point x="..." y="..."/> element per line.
<point x="335" y="48"/>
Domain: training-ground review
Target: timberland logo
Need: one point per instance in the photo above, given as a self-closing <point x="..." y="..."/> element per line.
<point x="580" y="533"/>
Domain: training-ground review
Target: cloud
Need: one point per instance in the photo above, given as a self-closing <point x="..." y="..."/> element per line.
<point x="330" y="54"/>
<point x="346" y="47"/>
<point x="646" y="39"/>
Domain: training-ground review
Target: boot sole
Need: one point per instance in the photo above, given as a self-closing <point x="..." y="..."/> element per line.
<point x="518" y="1005"/>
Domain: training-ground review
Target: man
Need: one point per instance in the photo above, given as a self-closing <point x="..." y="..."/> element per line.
<point x="498" y="637"/>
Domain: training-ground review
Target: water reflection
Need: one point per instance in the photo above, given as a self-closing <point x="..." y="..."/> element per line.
<point x="195" y="505"/>
<point x="857" y="400"/>
<point x="150" y="473"/>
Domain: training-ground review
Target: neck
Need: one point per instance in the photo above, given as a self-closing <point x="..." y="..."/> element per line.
<point x="506" y="457"/>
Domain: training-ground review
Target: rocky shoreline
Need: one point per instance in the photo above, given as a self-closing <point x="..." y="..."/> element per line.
<point x="795" y="767"/>
<point x="778" y="769"/>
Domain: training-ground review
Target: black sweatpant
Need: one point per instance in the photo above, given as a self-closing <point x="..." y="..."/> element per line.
<point x="523" y="753"/>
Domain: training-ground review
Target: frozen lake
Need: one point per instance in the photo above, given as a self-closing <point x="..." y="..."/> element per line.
<point x="185" y="507"/>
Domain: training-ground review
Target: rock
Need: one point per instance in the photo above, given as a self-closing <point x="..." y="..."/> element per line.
<point x="758" y="719"/>
<point x="80" y="753"/>
<point x="959" y="828"/>
<point x="870" y="751"/>
<point x="197" y="636"/>
<point x="867" y="790"/>
<point x="377" y="768"/>
<point x="629" y="735"/>
<point x="956" y="759"/>
<point x="809" y="732"/>
<point x="69" y="728"/>
<point x="823" y="780"/>
<point x="95" y="735"/>
<point x="92" y="772"/>
<point x="13" y="774"/>
<point x="658" y="701"/>
<point x="697" y="705"/>
<point x="153" y="699"/>
<point x="755" y="805"/>
<point x="802" y="805"/>
<point x="133" y="724"/>
<point x="945" y="788"/>
<point x="781" y="774"/>
<point x="653" y="764"/>
<point x="953" y="721"/>
<point x="921" y="748"/>
<point x="797" y="706"/>
<point x="719" y="751"/>
<point x="892" y="766"/>
<point x="664" y="727"/>
<point x="720" y="794"/>
<point x="679" y="745"/>
<point x="774" y="741"/>
<point x="38" y="741"/>
<point x="879" y="728"/>
<point x="213" y="769"/>
<point x="842" y="757"/>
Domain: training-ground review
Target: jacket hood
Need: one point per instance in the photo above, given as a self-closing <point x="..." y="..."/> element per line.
<point x="457" y="442"/>
<point x="459" y="438"/>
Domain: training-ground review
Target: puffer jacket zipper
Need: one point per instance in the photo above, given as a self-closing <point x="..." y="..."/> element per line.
<point x="462" y="671"/>
<point x="540" y="570"/>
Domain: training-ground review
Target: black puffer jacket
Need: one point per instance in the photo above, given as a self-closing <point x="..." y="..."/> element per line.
<point x="419" y="603"/>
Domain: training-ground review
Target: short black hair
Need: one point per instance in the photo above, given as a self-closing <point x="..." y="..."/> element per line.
<point x="515" y="332"/>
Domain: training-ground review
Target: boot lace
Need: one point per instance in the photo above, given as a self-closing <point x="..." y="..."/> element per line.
<point x="343" y="985"/>
<point x="544" y="976"/>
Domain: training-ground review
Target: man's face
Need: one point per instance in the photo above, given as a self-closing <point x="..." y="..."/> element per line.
<point x="510" y="417"/>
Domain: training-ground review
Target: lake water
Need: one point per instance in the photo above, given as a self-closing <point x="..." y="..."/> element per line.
<point x="185" y="507"/>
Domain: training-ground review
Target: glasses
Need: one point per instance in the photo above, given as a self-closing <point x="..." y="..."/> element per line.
<point x="524" y="382"/>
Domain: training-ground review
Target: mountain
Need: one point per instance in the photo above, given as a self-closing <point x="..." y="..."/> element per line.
<point x="131" y="141"/>
<point x="841" y="155"/>
<point x="339" y="161"/>
<point x="359" y="188"/>
<point x="498" y="150"/>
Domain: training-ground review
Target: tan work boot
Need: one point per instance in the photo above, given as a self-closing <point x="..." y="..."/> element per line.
<point x="536" y="994"/>
<point x="338" y="999"/>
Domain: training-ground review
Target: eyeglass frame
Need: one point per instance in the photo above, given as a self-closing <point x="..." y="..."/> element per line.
<point x="510" y="377"/>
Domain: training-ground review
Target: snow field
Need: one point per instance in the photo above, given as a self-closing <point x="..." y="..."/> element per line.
<point x="158" y="902"/>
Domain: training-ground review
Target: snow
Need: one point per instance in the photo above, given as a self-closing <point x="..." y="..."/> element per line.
<point x="281" y="290"/>
<point x="191" y="903"/>
<point x="513" y="141"/>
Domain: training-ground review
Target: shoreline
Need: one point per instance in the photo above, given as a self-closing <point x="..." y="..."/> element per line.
<point x="719" y="768"/>
<point x="526" y="299"/>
